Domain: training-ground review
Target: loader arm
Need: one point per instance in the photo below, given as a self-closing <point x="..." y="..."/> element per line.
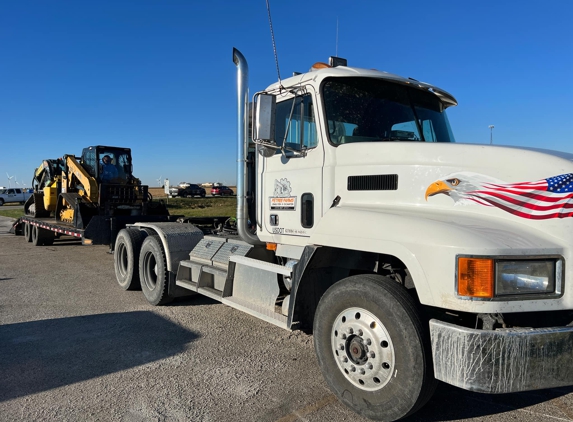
<point x="77" y="175"/>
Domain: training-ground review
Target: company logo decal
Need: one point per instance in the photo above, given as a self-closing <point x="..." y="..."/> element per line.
<point x="282" y="188"/>
<point x="540" y="200"/>
<point x="282" y="199"/>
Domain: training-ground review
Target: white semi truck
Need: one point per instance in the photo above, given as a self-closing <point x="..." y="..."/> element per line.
<point x="409" y="257"/>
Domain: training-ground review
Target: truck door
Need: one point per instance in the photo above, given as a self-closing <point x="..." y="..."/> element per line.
<point x="291" y="188"/>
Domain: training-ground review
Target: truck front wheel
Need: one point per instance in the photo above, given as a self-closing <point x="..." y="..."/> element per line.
<point x="373" y="348"/>
<point x="153" y="271"/>
<point x="126" y="258"/>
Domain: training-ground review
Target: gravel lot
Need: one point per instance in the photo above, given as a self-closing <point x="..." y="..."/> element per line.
<point x="75" y="347"/>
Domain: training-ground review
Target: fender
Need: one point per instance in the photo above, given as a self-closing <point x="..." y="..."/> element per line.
<point x="178" y="240"/>
<point x="427" y="242"/>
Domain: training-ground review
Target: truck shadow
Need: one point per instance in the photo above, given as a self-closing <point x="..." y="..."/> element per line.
<point x="42" y="355"/>
<point x="451" y="404"/>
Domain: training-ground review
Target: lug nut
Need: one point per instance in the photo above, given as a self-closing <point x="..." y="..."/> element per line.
<point x="353" y="368"/>
<point x="341" y="347"/>
<point x="362" y="371"/>
<point x="343" y="336"/>
<point x="369" y="366"/>
<point x="360" y="333"/>
<point x="350" y="331"/>
<point x="368" y="341"/>
<point x="345" y="359"/>
<point x="372" y="355"/>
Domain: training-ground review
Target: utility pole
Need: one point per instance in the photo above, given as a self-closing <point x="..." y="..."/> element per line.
<point x="491" y="134"/>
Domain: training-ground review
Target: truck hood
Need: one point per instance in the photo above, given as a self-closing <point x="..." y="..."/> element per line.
<point x="526" y="185"/>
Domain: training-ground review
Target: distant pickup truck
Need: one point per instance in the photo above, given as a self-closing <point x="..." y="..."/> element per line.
<point x="13" y="195"/>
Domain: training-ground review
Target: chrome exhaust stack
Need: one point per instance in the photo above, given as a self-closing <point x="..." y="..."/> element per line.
<point x="243" y="147"/>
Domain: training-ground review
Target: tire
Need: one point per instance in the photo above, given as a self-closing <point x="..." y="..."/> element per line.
<point x="1" y="202"/>
<point x="202" y="195"/>
<point x="41" y="237"/>
<point x="126" y="258"/>
<point x="153" y="271"/>
<point x="35" y="239"/>
<point x="28" y="232"/>
<point x="372" y="347"/>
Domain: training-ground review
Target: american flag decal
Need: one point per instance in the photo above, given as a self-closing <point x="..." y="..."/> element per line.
<point x="541" y="200"/>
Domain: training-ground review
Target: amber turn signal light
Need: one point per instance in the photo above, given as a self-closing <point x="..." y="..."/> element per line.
<point x="475" y="277"/>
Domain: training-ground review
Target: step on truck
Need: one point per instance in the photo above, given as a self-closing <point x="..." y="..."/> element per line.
<point x="91" y="197"/>
<point x="411" y="258"/>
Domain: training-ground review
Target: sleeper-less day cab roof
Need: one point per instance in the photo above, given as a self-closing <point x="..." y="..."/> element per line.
<point x="318" y="75"/>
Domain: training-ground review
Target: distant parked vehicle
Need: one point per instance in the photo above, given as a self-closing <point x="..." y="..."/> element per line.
<point x="221" y="191"/>
<point x="189" y="191"/>
<point x="13" y="195"/>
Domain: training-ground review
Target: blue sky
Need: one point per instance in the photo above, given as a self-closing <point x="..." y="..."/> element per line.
<point x="157" y="75"/>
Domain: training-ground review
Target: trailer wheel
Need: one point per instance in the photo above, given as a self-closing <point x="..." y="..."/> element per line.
<point x="28" y="232"/>
<point x="35" y="236"/>
<point x="153" y="271"/>
<point x="40" y="236"/>
<point x="372" y="348"/>
<point x="126" y="258"/>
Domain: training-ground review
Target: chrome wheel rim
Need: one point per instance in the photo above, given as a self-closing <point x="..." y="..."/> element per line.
<point x="363" y="349"/>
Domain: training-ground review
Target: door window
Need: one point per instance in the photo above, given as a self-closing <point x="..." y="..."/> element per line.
<point x="295" y="127"/>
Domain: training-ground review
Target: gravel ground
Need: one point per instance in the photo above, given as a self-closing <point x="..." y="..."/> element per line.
<point x="75" y="347"/>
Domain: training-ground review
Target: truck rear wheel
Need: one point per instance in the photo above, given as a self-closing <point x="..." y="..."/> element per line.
<point x="126" y="258"/>
<point x="153" y="271"/>
<point x="28" y="232"/>
<point x="372" y="347"/>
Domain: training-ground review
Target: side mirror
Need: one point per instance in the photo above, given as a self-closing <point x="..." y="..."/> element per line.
<point x="266" y="105"/>
<point x="264" y="127"/>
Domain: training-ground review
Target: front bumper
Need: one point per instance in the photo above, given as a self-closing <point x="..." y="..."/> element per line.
<point x="504" y="360"/>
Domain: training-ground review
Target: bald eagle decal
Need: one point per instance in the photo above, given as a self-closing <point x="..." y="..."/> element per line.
<point x="541" y="200"/>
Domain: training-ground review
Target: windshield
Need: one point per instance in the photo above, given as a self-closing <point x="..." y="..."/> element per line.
<point x="375" y="110"/>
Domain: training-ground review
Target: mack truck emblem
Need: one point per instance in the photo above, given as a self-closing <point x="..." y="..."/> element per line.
<point x="540" y="200"/>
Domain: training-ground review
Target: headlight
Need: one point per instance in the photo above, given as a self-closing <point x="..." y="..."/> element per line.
<point x="523" y="277"/>
<point x="500" y="278"/>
